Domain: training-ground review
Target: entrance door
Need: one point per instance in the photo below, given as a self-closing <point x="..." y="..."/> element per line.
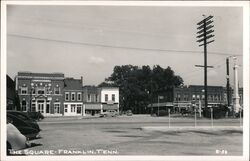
<point x="41" y="106"/>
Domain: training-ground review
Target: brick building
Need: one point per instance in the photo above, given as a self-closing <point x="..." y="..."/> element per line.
<point x="41" y="92"/>
<point x="193" y="95"/>
<point x="73" y="97"/>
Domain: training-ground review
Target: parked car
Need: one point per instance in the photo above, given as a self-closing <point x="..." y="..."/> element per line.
<point x="129" y="113"/>
<point x="35" y="115"/>
<point x="15" y="140"/>
<point x="25" y="118"/>
<point x="111" y="113"/>
<point x="25" y="128"/>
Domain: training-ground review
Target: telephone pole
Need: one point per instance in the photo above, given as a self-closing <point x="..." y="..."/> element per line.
<point x="204" y="34"/>
<point x="228" y="84"/>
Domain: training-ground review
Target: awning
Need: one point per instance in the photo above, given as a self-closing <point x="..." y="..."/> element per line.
<point x="92" y="106"/>
<point x="110" y="107"/>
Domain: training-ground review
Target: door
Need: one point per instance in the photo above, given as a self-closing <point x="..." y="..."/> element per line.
<point x="41" y="106"/>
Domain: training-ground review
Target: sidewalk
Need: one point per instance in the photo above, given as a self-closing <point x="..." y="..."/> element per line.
<point x="191" y="128"/>
<point x="61" y="118"/>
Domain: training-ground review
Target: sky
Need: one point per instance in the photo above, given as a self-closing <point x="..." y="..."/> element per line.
<point x="89" y="41"/>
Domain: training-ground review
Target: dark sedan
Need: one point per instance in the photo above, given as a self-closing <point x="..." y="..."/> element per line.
<point x="29" y="129"/>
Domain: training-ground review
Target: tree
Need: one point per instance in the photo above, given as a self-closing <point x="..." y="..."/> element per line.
<point x="137" y="85"/>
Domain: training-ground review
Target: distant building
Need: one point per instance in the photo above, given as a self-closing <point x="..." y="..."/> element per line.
<point x="41" y="92"/>
<point x="188" y="97"/>
<point x="110" y="98"/>
<point x="92" y="100"/>
<point x="73" y="97"/>
<point x="12" y="100"/>
<point x="100" y="99"/>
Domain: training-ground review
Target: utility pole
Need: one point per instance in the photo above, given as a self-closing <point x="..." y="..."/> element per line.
<point x="204" y="34"/>
<point x="228" y="84"/>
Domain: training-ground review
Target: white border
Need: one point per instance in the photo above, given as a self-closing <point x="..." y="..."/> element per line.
<point x="245" y="6"/>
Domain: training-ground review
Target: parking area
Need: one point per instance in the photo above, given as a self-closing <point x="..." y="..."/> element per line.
<point x="125" y="135"/>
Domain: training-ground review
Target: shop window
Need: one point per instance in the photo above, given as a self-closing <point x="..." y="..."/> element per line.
<point x="73" y="108"/>
<point x="65" y="108"/>
<point x="79" y="109"/>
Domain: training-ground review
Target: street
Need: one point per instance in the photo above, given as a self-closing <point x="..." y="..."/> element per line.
<point x="124" y="135"/>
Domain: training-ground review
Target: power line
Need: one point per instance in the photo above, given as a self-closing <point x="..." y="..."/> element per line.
<point x="116" y="47"/>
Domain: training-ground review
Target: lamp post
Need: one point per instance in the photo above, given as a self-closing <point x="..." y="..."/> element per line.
<point x="159" y="97"/>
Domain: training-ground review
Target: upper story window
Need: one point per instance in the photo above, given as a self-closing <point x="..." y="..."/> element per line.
<point x="73" y="96"/>
<point x="193" y="97"/>
<point x="106" y="97"/>
<point x="113" y="97"/>
<point x="41" y="90"/>
<point x="79" y="96"/>
<point x="96" y="97"/>
<point x="66" y="96"/>
<point x="88" y="98"/>
<point x="33" y="90"/>
<point x="178" y="97"/>
<point x="24" y="90"/>
<point x="57" y="90"/>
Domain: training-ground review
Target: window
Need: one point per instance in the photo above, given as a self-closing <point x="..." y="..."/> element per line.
<point x="113" y="97"/>
<point x="72" y="96"/>
<point x="96" y="97"/>
<point x="33" y="91"/>
<point x="193" y="97"/>
<point x="57" y="90"/>
<point x="88" y="97"/>
<point x="24" y="108"/>
<point x="106" y="97"/>
<point x="79" y="109"/>
<point x="66" y="108"/>
<point x="24" y="90"/>
<point x="33" y="107"/>
<point x="66" y="96"/>
<point x="73" y="108"/>
<point x="178" y="97"/>
<point x="203" y="97"/>
<point x="47" y="108"/>
<point x="198" y="97"/>
<point x="79" y="96"/>
<point x="41" y="91"/>
<point x="57" y="108"/>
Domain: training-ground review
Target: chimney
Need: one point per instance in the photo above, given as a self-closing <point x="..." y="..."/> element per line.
<point x="82" y="80"/>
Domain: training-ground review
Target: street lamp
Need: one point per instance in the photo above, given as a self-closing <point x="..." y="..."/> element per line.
<point x="159" y="97"/>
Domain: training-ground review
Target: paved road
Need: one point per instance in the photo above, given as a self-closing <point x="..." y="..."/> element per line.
<point x="124" y="136"/>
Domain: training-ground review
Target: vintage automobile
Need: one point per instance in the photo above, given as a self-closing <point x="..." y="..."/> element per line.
<point x="129" y="113"/>
<point x="110" y="113"/>
<point x="25" y="118"/>
<point x="15" y="140"/>
<point x="35" y="115"/>
<point x="24" y="127"/>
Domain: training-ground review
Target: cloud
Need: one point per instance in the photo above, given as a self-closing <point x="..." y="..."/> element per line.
<point x="96" y="60"/>
<point x="212" y="73"/>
